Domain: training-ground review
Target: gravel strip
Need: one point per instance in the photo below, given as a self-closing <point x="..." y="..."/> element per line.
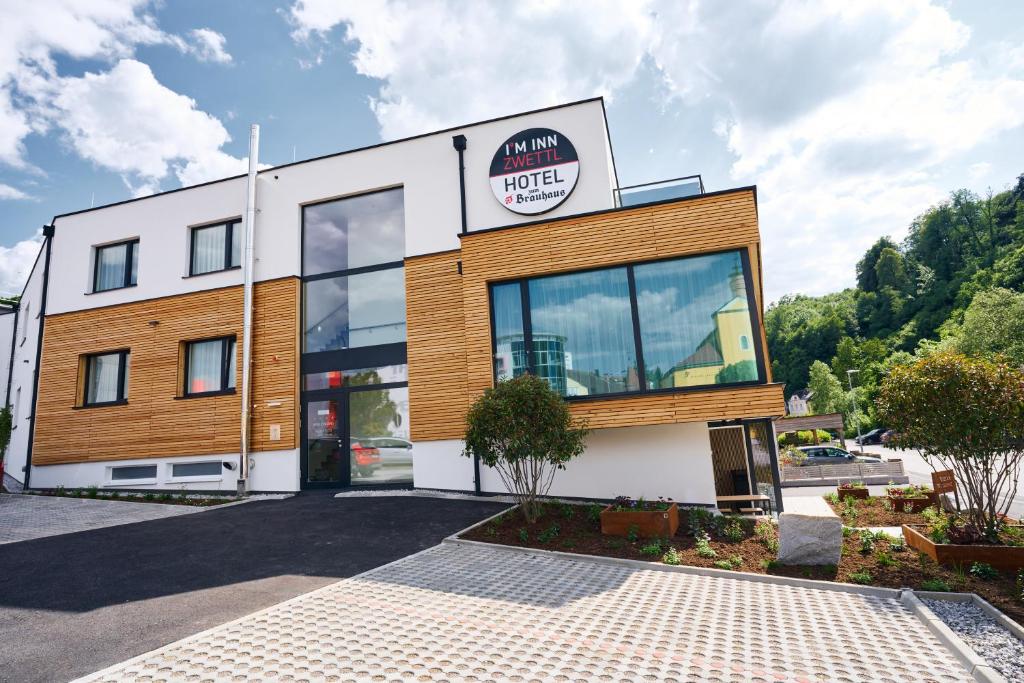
<point x="421" y="493"/>
<point x="1000" y="648"/>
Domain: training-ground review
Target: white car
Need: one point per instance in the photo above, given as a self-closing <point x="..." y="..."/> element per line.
<point x="393" y="451"/>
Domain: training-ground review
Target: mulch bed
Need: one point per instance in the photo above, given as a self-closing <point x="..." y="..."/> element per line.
<point x="576" y="529"/>
<point x="162" y="498"/>
<point x="872" y="512"/>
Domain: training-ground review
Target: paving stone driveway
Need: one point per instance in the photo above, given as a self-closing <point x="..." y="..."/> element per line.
<point x="471" y="613"/>
<point x="24" y="517"/>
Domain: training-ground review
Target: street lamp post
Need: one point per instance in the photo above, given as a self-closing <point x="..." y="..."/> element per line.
<point x="853" y="398"/>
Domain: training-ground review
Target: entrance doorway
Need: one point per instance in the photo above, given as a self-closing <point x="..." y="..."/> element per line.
<point x="356" y="437"/>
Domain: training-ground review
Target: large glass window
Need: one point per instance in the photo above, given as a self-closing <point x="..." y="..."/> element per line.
<point x="695" y="321"/>
<point x="210" y="366"/>
<point x="336" y="379"/>
<point x="116" y="266"/>
<point x="691" y="317"/>
<point x="353" y="232"/>
<point x="106" y="378"/>
<point x="355" y="310"/>
<point x="216" y="247"/>
<point x="379" y="445"/>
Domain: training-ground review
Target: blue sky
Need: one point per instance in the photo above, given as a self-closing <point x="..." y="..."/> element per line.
<point x="852" y="118"/>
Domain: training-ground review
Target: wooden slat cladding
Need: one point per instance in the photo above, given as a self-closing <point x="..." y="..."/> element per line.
<point x="156" y="422"/>
<point x="702" y="225"/>
<point x="437" y="352"/>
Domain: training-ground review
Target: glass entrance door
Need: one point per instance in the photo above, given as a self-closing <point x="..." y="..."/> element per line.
<point x="357" y="436"/>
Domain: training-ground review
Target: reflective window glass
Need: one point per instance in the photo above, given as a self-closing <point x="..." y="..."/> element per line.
<point x="379" y="447"/>
<point x="509" y="344"/>
<point x="695" y="321"/>
<point x="336" y="379"/>
<point x="355" y="310"/>
<point x="353" y="232"/>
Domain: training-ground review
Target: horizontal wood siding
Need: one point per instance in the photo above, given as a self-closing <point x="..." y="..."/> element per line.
<point x="156" y="422"/>
<point x="693" y="226"/>
<point x="437" y="352"/>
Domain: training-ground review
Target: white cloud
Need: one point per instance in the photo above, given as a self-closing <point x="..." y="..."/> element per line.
<point x="8" y="192"/>
<point x="16" y="262"/>
<point x="451" y="62"/>
<point x="126" y="121"/>
<point x="844" y="114"/>
<point x="208" y="46"/>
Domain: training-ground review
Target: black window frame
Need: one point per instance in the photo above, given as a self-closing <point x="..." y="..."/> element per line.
<point x="229" y="229"/>
<point x="225" y="366"/>
<point x="130" y="264"/>
<point x="755" y="326"/>
<point x="122" y="383"/>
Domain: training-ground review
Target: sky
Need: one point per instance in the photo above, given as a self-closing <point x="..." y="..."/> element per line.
<point x="852" y="118"/>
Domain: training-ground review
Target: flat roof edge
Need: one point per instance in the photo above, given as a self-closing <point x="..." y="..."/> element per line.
<point x="599" y="98"/>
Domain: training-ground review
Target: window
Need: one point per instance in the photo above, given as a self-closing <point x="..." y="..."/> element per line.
<point x="117" y="265"/>
<point x="14" y="408"/>
<point x="694" y="317"/>
<point x="106" y="378"/>
<point x="24" y="322"/>
<point x="210" y="468"/>
<point x="215" y="248"/>
<point x="210" y="366"/>
<point x="352" y="266"/>
<point x="336" y="379"/>
<point x="684" y="322"/>
<point x="133" y="472"/>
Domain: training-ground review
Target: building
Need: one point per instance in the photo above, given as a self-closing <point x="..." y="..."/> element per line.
<point x="392" y="285"/>
<point x="798" y="405"/>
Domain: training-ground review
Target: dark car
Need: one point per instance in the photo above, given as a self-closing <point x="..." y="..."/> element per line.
<point x="830" y="455"/>
<point x="872" y="437"/>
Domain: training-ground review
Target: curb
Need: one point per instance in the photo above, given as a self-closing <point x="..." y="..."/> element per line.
<point x="971" y="660"/>
<point x="834" y="586"/>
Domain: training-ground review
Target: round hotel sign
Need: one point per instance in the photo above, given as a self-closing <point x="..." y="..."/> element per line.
<point x="534" y="171"/>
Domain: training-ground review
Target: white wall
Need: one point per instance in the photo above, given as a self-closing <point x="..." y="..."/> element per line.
<point x="271" y="471"/>
<point x="7" y="318"/>
<point x="23" y="375"/>
<point x="673" y="461"/>
<point x="426" y="167"/>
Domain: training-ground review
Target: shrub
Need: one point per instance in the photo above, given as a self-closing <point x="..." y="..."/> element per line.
<point x="984" y="571"/>
<point x="966" y="415"/>
<point x="652" y="548"/>
<point x="704" y="548"/>
<point x="672" y="556"/>
<point x="6" y="425"/>
<point x="766" y="533"/>
<point x="523" y="430"/>
<point x="734" y="562"/>
<point x="633" y="533"/>
<point x="699" y="520"/>
<point x="594" y="513"/>
<point x="937" y="585"/>
<point x="548" y="534"/>
<point x="885" y="559"/>
<point x="862" y="577"/>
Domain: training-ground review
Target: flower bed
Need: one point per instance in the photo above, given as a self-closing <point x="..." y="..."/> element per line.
<point x="912" y="498"/>
<point x="745" y="544"/>
<point x="855" y="490"/>
<point x="162" y="497"/>
<point x="872" y="511"/>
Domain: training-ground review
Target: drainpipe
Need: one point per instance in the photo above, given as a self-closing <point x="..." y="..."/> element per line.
<point x="48" y="232"/>
<point x="459" y="143"/>
<point x="247" y="277"/>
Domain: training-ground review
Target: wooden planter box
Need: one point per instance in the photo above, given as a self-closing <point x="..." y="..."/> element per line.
<point x="918" y="504"/>
<point x="1003" y="557"/>
<point x="648" y="523"/>
<point x="859" y="494"/>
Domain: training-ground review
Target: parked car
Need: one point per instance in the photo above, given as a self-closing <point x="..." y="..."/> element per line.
<point x="393" y="451"/>
<point x="365" y="459"/>
<point x="830" y="455"/>
<point x="872" y="437"/>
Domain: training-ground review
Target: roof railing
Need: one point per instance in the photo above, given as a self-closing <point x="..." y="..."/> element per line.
<point x="687" y="186"/>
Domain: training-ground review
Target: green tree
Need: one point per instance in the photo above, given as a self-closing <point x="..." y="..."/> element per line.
<point x="523" y="430"/>
<point x="993" y="325"/>
<point x="6" y="423"/>
<point x="829" y="396"/>
<point x="966" y="415"/>
<point x="867" y="277"/>
<point x="372" y="413"/>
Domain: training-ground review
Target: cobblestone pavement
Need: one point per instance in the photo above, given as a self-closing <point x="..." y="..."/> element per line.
<point x="471" y="613"/>
<point x="23" y="517"/>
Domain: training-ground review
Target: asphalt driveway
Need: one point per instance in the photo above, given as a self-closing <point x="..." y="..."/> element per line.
<point x="79" y="602"/>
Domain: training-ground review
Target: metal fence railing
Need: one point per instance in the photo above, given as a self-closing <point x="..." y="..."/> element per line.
<point x="851" y="471"/>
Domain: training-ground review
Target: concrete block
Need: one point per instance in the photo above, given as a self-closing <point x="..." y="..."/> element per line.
<point x="809" y="532"/>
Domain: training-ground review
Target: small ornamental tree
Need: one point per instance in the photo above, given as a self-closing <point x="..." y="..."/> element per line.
<point x="966" y="415"/>
<point x="522" y="429"/>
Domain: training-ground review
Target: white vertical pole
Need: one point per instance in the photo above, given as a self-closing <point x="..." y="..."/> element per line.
<point x="247" y="278"/>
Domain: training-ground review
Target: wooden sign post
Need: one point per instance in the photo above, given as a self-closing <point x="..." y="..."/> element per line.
<point x="945" y="482"/>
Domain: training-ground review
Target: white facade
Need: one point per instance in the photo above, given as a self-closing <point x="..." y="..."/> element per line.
<point x="669" y="460"/>
<point x="7" y="330"/>
<point x="23" y="369"/>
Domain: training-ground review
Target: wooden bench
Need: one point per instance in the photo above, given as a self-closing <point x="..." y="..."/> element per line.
<point x="756" y="504"/>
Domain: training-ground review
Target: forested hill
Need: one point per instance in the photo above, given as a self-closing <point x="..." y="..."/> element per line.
<point x="956" y="281"/>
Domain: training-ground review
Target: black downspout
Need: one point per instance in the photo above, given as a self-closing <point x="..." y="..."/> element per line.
<point x="459" y="142"/>
<point x="48" y="234"/>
